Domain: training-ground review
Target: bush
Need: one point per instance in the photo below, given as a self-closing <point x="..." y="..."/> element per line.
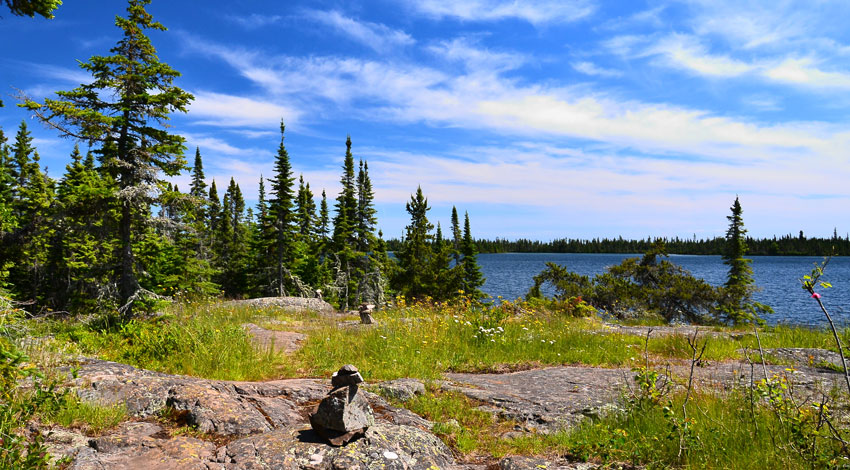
<point x="20" y="449"/>
<point x="638" y="287"/>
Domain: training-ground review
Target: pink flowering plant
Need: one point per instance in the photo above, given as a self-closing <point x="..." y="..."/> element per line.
<point x="810" y="283"/>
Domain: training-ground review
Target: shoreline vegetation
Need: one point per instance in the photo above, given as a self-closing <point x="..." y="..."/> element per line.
<point x="785" y="245"/>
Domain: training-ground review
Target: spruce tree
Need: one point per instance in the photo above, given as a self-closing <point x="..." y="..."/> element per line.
<point x="305" y="210"/>
<point x="738" y="306"/>
<point x="232" y="242"/>
<point x="34" y="205"/>
<point x="472" y="278"/>
<point x="262" y="208"/>
<point x="198" y="188"/>
<point x="415" y="277"/>
<point x="323" y="227"/>
<point x="22" y="149"/>
<point x="213" y="218"/>
<point x="366" y="218"/>
<point x="131" y="95"/>
<point x="344" y="235"/>
<point x="445" y="283"/>
<point x="281" y="236"/>
<point x="7" y="183"/>
<point x="456" y="235"/>
<point x="346" y="206"/>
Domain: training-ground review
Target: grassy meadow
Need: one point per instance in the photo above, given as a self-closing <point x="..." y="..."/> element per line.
<point x="735" y="429"/>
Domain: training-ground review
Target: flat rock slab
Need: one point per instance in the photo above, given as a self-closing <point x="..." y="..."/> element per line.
<point x="136" y="446"/>
<point x="557" y="397"/>
<point x="293" y="304"/>
<point x="264" y="426"/>
<point x="282" y="341"/>
<point x="214" y="406"/>
<point x="384" y="446"/>
<point x="545" y="399"/>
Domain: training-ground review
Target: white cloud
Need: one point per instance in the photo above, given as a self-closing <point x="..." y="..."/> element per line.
<point x="72" y="76"/>
<point x="686" y="52"/>
<point x="255" y="20"/>
<point x="475" y="58"/>
<point x="219" y="109"/>
<point x="589" y="68"/>
<point x="762" y="102"/>
<point x="377" y="36"/>
<point x="803" y="72"/>
<point x="631" y="192"/>
<point x="402" y="93"/>
<point x="535" y="12"/>
<point x="207" y="143"/>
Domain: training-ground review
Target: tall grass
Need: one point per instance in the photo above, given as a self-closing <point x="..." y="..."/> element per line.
<point x="92" y="418"/>
<point x="204" y="341"/>
<point x="724" y="432"/>
<point x="423" y="341"/>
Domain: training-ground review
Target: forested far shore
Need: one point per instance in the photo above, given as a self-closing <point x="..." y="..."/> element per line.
<point x="786" y="245"/>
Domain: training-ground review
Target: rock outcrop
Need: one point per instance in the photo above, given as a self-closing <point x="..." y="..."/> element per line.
<point x="236" y="425"/>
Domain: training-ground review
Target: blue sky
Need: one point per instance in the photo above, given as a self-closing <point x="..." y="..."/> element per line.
<point x="542" y="119"/>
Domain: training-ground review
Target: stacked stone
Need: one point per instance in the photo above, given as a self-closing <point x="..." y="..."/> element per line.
<point x="344" y="414"/>
<point x="366" y="314"/>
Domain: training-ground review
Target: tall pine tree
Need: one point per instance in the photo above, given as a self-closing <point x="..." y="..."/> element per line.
<point x="738" y="305"/>
<point x="415" y="277"/>
<point x="281" y="235"/>
<point x="131" y="94"/>
<point x="472" y="278"/>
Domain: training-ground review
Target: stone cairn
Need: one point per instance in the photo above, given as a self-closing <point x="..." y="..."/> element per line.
<point x="344" y="414"/>
<point x="366" y="314"/>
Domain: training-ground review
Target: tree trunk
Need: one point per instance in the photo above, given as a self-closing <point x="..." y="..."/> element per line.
<point x="128" y="279"/>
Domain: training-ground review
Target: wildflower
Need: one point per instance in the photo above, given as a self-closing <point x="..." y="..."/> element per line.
<point x="815" y="295"/>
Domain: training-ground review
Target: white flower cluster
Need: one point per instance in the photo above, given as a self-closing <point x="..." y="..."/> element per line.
<point x="488" y="333"/>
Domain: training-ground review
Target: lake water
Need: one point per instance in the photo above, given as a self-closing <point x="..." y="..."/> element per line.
<point x="510" y="275"/>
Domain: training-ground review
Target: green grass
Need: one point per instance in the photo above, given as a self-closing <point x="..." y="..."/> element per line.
<point x="92" y="418"/>
<point x="422" y="341"/>
<point x="723" y="433"/>
<point x="204" y="341"/>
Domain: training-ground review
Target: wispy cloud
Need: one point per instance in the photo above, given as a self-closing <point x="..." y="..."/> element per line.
<point x="686" y="52"/>
<point x="476" y="58"/>
<point x="589" y="68"/>
<point x="378" y="37"/>
<point x="254" y="20"/>
<point x="218" y="109"/>
<point x="208" y="143"/>
<point x="804" y="72"/>
<point x="64" y="74"/>
<point x="401" y="93"/>
<point x="533" y="11"/>
<point x="632" y="192"/>
<point x="762" y="102"/>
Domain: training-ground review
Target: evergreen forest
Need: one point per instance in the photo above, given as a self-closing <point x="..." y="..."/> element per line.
<point x="114" y="234"/>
